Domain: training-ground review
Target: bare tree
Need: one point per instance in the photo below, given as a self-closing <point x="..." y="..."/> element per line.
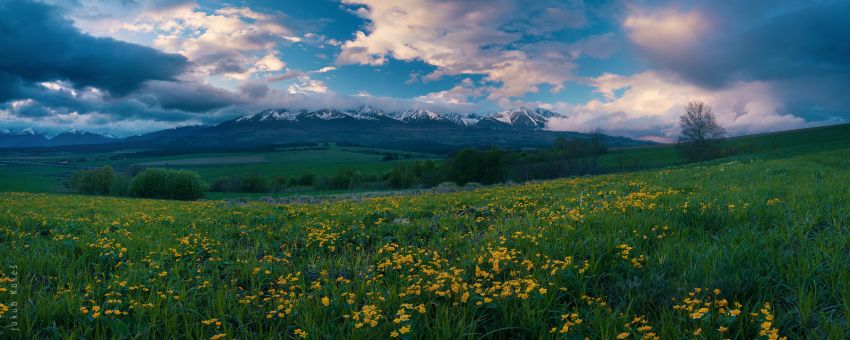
<point x="701" y="135"/>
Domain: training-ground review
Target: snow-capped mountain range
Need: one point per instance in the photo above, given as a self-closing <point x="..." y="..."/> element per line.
<point x="415" y="129"/>
<point x="31" y="138"/>
<point x="522" y="118"/>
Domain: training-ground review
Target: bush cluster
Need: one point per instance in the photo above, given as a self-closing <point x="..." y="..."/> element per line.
<point x="167" y="184"/>
<point x="149" y="183"/>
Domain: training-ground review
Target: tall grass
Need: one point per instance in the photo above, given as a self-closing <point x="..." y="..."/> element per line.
<point x="602" y="257"/>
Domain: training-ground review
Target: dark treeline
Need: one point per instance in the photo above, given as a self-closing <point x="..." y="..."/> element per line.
<point x="343" y="179"/>
<point x="481" y="166"/>
<point x="465" y="167"/>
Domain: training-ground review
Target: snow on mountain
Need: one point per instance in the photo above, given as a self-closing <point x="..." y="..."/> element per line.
<point x="521" y="118"/>
<point x="325" y="114"/>
<point x="418" y="115"/>
<point x="366" y="112"/>
<point x="517" y="118"/>
<point x="27" y="131"/>
<point x="461" y="119"/>
<point x="21" y="138"/>
<point x="273" y="115"/>
<point x="547" y="113"/>
<point x="186" y="126"/>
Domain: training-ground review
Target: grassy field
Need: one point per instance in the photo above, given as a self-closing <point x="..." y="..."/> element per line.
<point x="43" y="173"/>
<point x="731" y="249"/>
<point x="779" y="144"/>
<point x="32" y="178"/>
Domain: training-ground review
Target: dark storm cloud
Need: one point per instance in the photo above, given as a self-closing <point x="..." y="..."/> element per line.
<point x="801" y="48"/>
<point x="186" y="96"/>
<point x="42" y="103"/>
<point x="254" y="89"/>
<point x="53" y="76"/>
<point x="763" y="43"/>
<point x="40" y="45"/>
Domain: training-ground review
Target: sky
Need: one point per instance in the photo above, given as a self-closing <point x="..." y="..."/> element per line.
<point x="627" y="67"/>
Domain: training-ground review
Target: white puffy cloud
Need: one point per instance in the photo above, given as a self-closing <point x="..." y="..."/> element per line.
<point x="647" y="105"/>
<point x="489" y="38"/>
<point x="235" y="42"/>
<point x="463" y="94"/>
<point x="666" y="31"/>
<point x="305" y="84"/>
<point x="325" y="69"/>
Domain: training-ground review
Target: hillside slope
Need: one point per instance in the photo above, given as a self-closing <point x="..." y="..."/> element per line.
<point x="668" y="253"/>
<point x="770" y="145"/>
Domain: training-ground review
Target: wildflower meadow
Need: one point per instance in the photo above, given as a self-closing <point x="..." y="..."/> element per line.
<point x="730" y="249"/>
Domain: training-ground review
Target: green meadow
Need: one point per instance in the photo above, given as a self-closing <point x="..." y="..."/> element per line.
<point x="43" y="173"/>
<point x="746" y="247"/>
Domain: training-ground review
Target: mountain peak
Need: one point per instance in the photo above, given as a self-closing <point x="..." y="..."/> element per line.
<point x="266" y="115"/>
<point x="419" y="115"/>
<point x="522" y="117"/>
<point x="468" y="119"/>
<point x="73" y="132"/>
<point x="79" y="137"/>
<point x="325" y="114"/>
<point x="27" y="131"/>
<point x="365" y="112"/>
<point x="22" y="138"/>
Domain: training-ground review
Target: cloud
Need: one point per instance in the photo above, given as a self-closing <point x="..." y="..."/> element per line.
<point x="56" y="111"/>
<point x="305" y="85"/>
<point x="234" y="42"/>
<point x="40" y="46"/>
<point x="801" y="49"/>
<point x="647" y="105"/>
<point x="763" y="66"/>
<point x="56" y="77"/>
<point x="186" y="96"/>
<point x="491" y="38"/>
<point x="464" y="94"/>
<point x="325" y="69"/>
<point x="666" y="32"/>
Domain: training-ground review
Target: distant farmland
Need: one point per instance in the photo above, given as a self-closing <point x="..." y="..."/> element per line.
<point x="208" y="161"/>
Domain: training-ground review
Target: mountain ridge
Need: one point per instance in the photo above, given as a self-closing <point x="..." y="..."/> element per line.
<point x="413" y="129"/>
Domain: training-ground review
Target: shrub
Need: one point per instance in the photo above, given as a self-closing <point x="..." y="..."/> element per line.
<point x="254" y="183"/>
<point x="345" y="179"/>
<point x="401" y="177"/>
<point x="221" y="184"/>
<point x="470" y="165"/>
<point x="97" y="181"/>
<point x="120" y="185"/>
<point x="280" y="184"/>
<point x="167" y="184"/>
<point x="306" y="179"/>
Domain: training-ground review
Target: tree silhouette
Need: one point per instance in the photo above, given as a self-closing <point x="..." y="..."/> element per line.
<point x="701" y="135"/>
